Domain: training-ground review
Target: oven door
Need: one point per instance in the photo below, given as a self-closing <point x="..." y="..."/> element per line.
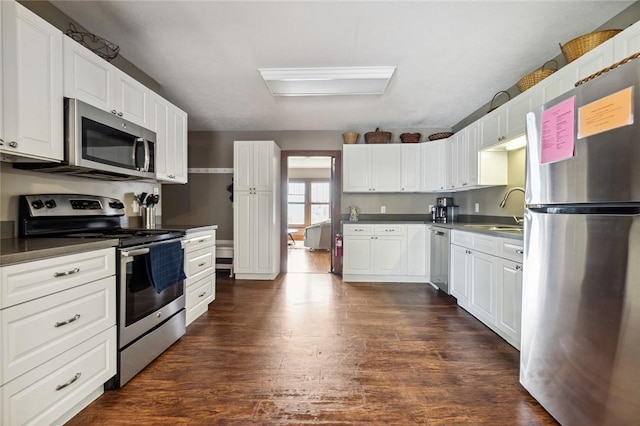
<point x="141" y="308"/>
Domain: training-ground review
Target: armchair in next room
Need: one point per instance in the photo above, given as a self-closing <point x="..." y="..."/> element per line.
<point x="318" y="236"/>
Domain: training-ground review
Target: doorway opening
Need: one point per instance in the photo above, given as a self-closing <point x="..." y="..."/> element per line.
<point x="310" y="211"/>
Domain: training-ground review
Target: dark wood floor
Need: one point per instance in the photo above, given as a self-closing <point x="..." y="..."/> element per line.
<point x="309" y="349"/>
<point x="304" y="260"/>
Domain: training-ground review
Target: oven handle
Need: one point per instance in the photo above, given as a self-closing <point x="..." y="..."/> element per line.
<point x="140" y="252"/>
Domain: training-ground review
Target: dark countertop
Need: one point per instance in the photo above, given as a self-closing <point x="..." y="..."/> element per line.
<point x="19" y="250"/>
<point x="459" y="226"/>
<point x="189" y="228"/>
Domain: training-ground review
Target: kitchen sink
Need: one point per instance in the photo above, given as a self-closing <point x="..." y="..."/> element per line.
<point x="494" y="227"/>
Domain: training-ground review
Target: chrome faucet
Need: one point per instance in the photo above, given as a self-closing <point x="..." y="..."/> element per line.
<point x="506" y="195"/>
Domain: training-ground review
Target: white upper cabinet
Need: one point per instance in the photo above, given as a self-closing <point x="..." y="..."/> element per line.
<point x="507" y="121"/>
<point x="592" y="61"/>
<point x="95" y="81"/>
<point x="32" y="101"/>
<point x="434" y="165"/>
<point x="170" y="125"/>
<point x="410" y="170"/>
<point x="253" y="165"/>
<point x="372" y="168"/>
<point x="627" y="42"/>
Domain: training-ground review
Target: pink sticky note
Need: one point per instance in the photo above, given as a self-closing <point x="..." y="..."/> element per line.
<point x="558" y="132"/>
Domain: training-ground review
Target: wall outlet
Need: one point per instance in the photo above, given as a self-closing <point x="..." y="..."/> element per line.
<point x="156" y="190"/>
<point x="430" y="208"/>
<point x="383" y="209"/>
<point x="477" y="207"/>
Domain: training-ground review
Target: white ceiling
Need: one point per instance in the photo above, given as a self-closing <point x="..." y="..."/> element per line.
<point x="451" y="56"/>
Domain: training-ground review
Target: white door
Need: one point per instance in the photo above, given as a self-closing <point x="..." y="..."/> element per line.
<point x="416" y="252"/>
<point x="32" y="85"/>
<point x="627" y="42"/>
<point x="509" y="288"/>
<point x="243" y="166"/>
<point x="459" y="275"/>
<point x="410" y="168"/>
<point x="386" y="160"/>
<point x="131" y="99"/>
<point x="243" y="232"/>
<point x="356" y="169"/>
<point x="491" y="128"/>
<point x="263" y="165"/>
<point x="483" y="287"/>
<point x="357" y="255"/>
<point x="389" y="255"/>
<point x="88" y="77"/>
<point x="516" y="111"/>
<point x="433" y="166"/>
<point x="178" y="170"/>
<point x="263" y="228"/>
<point x="593" y="61"/>
<point x="472" y="154"/>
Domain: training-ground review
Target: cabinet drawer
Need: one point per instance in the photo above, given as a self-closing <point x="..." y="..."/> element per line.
<point x="391" y="229"/>
<point x="199" y="240"/>
<point x="474" y="241"/>
<point x="357" y="229"/>
<point x="41" y="397"/>
<point x="201" y="292"/>
<point x="36" y="331"/>
<point x="511" y="249"/>
<point x="30" y="280"/>
<point x="199" y="263"/>
<point x="460" y="238"/>
<point x="199" y="295"/>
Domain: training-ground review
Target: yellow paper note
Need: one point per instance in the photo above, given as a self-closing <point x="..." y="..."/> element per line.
<point x="608" y="113"/>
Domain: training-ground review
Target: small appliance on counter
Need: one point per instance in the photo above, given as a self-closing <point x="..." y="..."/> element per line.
<point x="444" y="211"/>
<point x="354" y="212"/>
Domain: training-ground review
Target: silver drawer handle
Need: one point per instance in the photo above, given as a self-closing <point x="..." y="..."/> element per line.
<point x="202" y="294"/>
<point x="70" y="382"/>
<point x="201" y="264"/>
<point x="519" y="251"/>
<point x="69" y="321"/>
<point x="439" y="233"/>
<point x="71" y="272"/>
<point x="201" y="241"/>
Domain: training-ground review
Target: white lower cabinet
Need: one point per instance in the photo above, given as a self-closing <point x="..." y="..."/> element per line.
<point x="385" y="252"/>
<point x="509" y="290"/>
<point x="199" y="266"/>
<point x="58" y="336"/>
<point x="486" y="280"/>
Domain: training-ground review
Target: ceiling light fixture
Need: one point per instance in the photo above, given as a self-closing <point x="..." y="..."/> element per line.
<point x="327" y="81"/>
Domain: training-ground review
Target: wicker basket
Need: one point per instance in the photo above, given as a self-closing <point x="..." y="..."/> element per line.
<point x="377" y="137"/>
<point x="577" y="47"/>
<point x="410" y="137"/>
<point x="441" y="135"/>
<point x="491" y="106"/>
<point x="536" y="76"/>
<point x="350" y="137"/>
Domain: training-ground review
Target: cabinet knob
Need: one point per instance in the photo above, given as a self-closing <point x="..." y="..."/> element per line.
<point x="119" y="114"/>
<point x="519" y="251"/>
<point x="13" y="144"/>
<point x="113" y="111"/>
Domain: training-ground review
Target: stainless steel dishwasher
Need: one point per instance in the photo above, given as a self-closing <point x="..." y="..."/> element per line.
<point x="440" y="257"/>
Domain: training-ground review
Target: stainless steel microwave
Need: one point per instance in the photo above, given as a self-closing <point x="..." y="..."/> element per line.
<point x="102" y="145"/>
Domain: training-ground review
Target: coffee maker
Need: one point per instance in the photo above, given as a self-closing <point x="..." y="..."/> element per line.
<point x="444" y="211"/>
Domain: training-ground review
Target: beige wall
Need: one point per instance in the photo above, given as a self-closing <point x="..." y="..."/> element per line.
<point x="204" y="200"/>
<point x="55" y="17"/>
<point x="14" y="182"/>
<point x="627" y="17"/>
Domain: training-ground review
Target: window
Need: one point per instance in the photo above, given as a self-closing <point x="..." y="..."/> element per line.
<point x="309" y="202"/>
<point x="320" y="198"/>
<point x="297" y="200"/>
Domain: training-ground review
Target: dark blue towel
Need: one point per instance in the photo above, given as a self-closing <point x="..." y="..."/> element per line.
<point x="165" y="265"/>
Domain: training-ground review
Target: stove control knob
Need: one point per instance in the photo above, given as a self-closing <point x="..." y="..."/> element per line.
<point x="50" y="204"/>
<point x="37" y="204"/>
<point x="116" y="205"/>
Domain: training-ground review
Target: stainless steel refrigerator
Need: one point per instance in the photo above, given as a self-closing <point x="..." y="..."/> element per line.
<point x="580" y="350"/>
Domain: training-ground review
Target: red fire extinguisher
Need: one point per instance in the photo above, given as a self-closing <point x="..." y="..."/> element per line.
<point x="338" y="245"/>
